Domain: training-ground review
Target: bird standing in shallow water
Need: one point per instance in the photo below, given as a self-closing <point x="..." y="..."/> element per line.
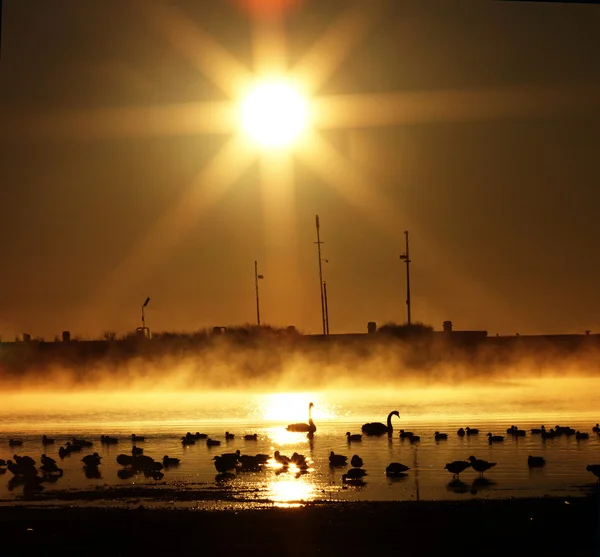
<point x="480" y="465"/>
<point x="456" y="467"/>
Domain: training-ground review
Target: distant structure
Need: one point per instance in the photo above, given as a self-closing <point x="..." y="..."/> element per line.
<point x="371" y="327"/>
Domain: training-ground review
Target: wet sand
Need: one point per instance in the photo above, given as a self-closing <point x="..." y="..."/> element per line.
<point x="544" y="526"/>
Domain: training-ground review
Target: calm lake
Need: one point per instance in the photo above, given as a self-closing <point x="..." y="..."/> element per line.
<point x="164" y="417"/>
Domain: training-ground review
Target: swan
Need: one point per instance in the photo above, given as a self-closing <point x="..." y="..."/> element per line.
<point x="377" y="428"/>
<point x="310" y="427"/>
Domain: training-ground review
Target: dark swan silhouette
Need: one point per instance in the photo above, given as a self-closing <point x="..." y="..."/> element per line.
<point x="377" y="428"/>
<point x="310" y="427"/>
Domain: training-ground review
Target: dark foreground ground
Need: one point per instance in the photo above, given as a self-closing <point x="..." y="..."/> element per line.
<point x="545" y="527"/>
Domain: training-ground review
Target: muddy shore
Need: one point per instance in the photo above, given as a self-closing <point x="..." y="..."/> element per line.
<point x="544" y="526"/>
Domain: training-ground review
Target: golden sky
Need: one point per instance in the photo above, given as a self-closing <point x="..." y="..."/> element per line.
<point x="124" y="173"/>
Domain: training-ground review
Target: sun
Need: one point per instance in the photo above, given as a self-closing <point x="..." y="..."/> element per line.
<point x="274" y="113"/>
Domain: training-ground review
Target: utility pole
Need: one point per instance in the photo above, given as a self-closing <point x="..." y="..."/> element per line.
<point x="318" y="242"/>
<point x="406" y="258"/>
<point x="256" y="277"/>
<point x="326" y="306"/>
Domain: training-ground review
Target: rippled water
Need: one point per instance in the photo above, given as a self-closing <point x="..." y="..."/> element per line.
<point x="163" y="418"/>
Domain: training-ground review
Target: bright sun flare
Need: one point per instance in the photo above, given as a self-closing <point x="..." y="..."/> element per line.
<point x="274" y="113"/>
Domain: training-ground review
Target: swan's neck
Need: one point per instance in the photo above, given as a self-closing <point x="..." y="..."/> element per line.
<point x="389" y="422"/>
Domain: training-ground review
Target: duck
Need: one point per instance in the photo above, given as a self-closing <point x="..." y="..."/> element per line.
<point x="281" y="459"/>
<point x="229" y="436"/>
<point x="251" y="437"/>
<point x="480" y="465"/>
<point x="2" y="463"/>
<point x="471" y="431"/>
<point x="44" y="459"/>
<point x="137" y="438"/>
<point x="440" y="436"/>
<point x="536" y="461"/>
<point x="495" y="438"/>
<point x="456" y="467"/>
<point x="170" y="461"/>
<point x="21" y="468"/>
<point x="212" y="442"/>
<point x="396" y="469"/>
<point x="538" y="430"/>
<point x="298" y="459"/>
<point x="337" y="459"/>
<point x="356" y="481"/>
<point x="356" y="461"/>
<point x="519" y="433"/>
<point x="137" y="451"/>
<point x="593" y="468"/>
<point x="405" y="434"/>
<point x="81" y="442"/>
<point x="24" y="460"/>
<point x="377" y="428"/>
<point x="548" y="434"/>
<point x="15" y="442"/>
<point x="188" y="441"/>
<point x="125" y="460"/>
<point x="414" y="438"/>
<point x="356" y="473"/>
<point x="51" y="469"/>
<point x="309" y="427"/>
<point x="106" y="440"/>
<point x="461" y="432"/>
<point x="92" y="460"/>
<point x="47" y="441"/>
<point x="353" y="437"/>
<point x="596" y="428"/>
<point x="579" y="435"/>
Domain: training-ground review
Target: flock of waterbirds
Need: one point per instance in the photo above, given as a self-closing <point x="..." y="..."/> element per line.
<point x="26" y="472"/>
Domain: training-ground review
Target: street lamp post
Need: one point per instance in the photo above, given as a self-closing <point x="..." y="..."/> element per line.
<point x="256" y="278"/>
<point x="406" y="258"/>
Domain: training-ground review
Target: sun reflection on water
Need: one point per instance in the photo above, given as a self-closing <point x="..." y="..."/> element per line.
<point x="291" y="492"/>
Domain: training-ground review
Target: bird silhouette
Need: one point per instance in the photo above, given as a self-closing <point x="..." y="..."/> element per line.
<point x="480" y="465"/>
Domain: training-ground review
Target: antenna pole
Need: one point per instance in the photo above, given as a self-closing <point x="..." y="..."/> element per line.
<point x="256" y="288"/>
<point x="406" y="258"/>
<point x="326" y="307"/>
<point x="318" y="242"/>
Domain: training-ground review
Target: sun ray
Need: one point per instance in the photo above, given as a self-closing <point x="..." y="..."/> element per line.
<point x="219" y="117"/>
<point x="280" y="234"/>
<point x="360" y="191"/>
<point x="389" y="109"/>
<point x="327" y="53"/>
<point x="222" y="171"/>
<point x="269" y="46"/>
<point x="206" y="54"/>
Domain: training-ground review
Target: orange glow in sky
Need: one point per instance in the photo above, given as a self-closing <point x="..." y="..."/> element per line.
<point x="268" y="7"/>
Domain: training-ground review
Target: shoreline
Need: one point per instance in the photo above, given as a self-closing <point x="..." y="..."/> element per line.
<point x="533" y="526"/>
